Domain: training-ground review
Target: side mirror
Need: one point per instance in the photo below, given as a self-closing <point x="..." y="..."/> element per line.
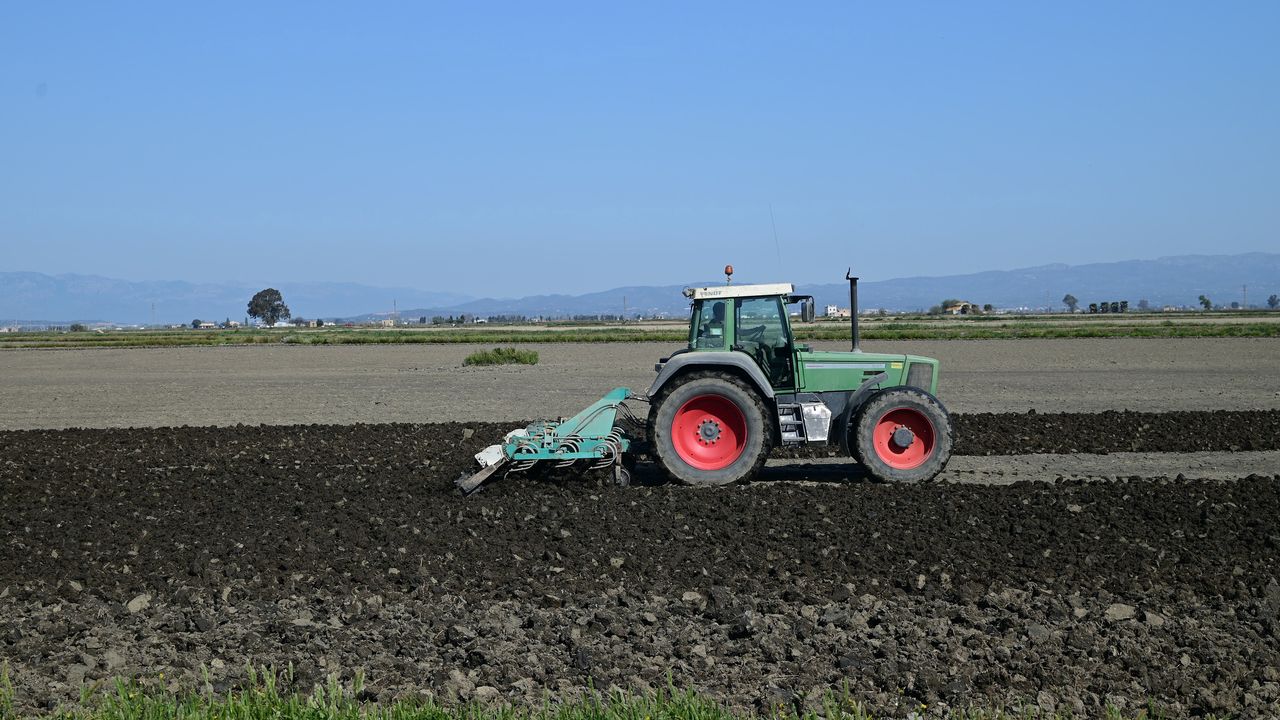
<point x="807" y="310"/>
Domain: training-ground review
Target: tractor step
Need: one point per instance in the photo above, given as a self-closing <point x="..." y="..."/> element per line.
<point x="592" y="438"/>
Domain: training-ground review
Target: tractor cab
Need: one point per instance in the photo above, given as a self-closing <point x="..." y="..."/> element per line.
<point x="753" y="320"/>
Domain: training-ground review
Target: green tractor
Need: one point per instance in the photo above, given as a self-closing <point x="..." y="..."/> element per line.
<point x="742" y="386"/>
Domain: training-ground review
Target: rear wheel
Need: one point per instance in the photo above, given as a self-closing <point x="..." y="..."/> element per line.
<point x="710" y="429"/>
<point x="902" y="435"/>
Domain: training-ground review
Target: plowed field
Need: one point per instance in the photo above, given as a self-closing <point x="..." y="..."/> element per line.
<point x="337" y="548"/>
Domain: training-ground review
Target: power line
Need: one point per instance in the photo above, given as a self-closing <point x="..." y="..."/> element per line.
<point x="776" y="245"/>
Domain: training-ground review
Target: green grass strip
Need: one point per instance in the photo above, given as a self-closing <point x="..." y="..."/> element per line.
<point x="502" y="356"/>
<point x="262" y="699"/>
<point x="1010" y="329"/>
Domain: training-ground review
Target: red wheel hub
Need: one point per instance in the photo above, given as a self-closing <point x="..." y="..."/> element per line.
<point x="709" y="432"/>
<point x="904" y="438"/>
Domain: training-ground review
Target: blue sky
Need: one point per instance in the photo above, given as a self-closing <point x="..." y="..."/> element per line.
<point x="514" y="148"/>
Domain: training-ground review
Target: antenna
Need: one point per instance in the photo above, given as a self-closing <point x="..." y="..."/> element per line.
<point x="776" y="245"/>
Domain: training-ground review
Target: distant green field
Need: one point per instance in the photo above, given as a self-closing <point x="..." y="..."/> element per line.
<point x="1264" y="325"/>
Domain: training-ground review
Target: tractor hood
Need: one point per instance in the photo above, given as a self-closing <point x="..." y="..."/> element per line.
<point x="824" y="371"/>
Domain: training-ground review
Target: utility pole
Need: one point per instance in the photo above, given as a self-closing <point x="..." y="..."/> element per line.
<point x="1244" y="296"/>
<point x="624" y="308"/>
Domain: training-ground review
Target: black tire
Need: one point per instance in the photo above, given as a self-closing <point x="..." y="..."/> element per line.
<point x="884" y="461"/>
<point x="662" y="414"/>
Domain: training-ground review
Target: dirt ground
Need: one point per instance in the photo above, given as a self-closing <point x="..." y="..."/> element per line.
<point x="1069" y="558"/>
<point x="337" y="548"/>
<point x="427" y="383"/>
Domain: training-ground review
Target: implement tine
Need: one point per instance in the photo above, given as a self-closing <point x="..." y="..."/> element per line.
<point x="470" y="484"/>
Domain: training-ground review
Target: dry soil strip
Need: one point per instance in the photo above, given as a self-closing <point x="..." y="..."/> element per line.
<point x="1041" y="467"/>
<point x="284" y="384"/>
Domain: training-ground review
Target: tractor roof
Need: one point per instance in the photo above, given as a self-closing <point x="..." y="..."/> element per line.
<point x="734" y="291"/>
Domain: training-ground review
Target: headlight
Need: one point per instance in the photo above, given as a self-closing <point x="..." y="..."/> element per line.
<point x="920" y="375"/>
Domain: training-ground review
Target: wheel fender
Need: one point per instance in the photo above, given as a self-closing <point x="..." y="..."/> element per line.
<point x="857" y="399"/>
<point x="732" y="358"/>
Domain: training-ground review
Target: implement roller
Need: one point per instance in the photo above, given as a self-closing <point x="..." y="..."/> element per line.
<point x="741" y="387"/>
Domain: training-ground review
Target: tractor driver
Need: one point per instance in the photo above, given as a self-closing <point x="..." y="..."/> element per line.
<point x="711" y="334"/>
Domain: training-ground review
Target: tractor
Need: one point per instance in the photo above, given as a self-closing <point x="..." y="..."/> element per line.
<point x="741" y="387"/>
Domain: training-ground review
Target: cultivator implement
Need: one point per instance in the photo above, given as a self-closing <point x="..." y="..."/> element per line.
<point x="595" y="438"/>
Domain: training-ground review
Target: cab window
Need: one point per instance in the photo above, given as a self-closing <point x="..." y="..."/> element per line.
<point x="711" y="326"/>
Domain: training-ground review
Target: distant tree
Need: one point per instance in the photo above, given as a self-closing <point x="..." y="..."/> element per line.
<point x="1235" y="306"/>
<point x="988" y="307"/>
<point x="1206" y="302"/>
<point x="268" y="306"/>
<point x="1070" y="301"/>
<point x="78" y="327"/>
<point x="195" y="324"/>
<point x="1143" y="305"/>
<point x="319" y="322"/>
<point x="1273" y="302"/>
<point x="1093" y="308"/>
<point x="422" y="320"/>
<point x="300" y="322"/>
<point x="1124" y="306"/>
<point x="935" y="310"/>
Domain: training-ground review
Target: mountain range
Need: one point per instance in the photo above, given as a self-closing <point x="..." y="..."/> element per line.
<point x="29" y="298"/>
<point x="1177" y="281"/>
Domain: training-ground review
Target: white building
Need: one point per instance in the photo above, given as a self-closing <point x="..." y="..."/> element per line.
<point x="833" y="311"/>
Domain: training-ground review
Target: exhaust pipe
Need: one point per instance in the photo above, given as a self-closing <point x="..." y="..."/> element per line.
<point x="853" y="307"/>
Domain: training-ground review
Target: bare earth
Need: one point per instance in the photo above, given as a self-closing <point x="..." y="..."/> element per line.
<point x="427" y="383"/>
<point x="1132" y="585"/>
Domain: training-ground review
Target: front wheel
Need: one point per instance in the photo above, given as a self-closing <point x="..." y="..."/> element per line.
<point x="710" y="429"/>
<point x="902" y="435"/>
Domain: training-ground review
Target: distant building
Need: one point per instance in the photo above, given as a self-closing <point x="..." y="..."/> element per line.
<point x="387" y="322"/>
<point x="961" y="307"/>
<point x="833" y="311"/>
<point x="207" y="325"/>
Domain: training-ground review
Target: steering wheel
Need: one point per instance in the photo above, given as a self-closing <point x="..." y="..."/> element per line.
<point x="754" y="334"/>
